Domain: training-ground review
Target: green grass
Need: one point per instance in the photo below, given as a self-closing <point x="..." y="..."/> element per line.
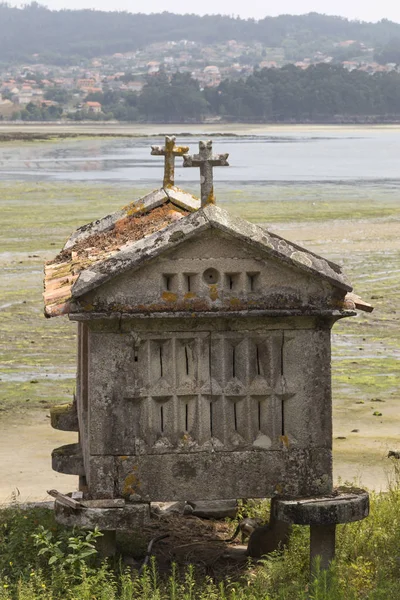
<point x="36" y="221"/>
<point x="312" y="202"/>
<point x="367" y="565"/>
<point x="37" y="218"/>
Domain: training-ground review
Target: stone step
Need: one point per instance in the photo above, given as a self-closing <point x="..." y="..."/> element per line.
<point x="64" y="417"/>
<point x="68" y="459"/>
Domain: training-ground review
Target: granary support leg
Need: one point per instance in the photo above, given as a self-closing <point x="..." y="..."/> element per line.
<point x="322" y="514"/>
<point x="322" y="545"/>
<point x="83" y="487"/>
<point x="106" y="544"/>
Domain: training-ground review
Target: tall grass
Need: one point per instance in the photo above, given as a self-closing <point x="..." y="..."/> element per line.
<point x="367" y="565"/>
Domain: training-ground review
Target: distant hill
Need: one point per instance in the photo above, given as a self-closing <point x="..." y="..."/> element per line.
<point x="67" y="35"/>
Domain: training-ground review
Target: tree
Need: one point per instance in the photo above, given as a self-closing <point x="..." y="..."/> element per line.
<point x="178" y="100"/>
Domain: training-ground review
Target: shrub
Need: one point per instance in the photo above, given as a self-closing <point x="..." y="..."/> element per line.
<point x="40" y="560"/>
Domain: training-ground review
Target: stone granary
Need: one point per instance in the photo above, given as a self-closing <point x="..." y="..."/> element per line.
<point x="204" y="362"/>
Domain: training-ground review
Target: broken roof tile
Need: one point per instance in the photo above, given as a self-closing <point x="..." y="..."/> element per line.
<point x="98" y="246"/>
<point x="143" y="230"/>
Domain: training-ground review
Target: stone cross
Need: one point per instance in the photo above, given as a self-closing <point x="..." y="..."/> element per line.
<point x="206" y="161"/>
<point x="169" y="152"/>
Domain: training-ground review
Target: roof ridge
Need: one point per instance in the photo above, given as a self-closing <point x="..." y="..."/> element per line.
<point x="133" y="254"/>
<point x="141" y="206"/>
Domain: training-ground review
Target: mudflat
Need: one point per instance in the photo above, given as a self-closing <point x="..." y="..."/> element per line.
<point x="37" y="355"/>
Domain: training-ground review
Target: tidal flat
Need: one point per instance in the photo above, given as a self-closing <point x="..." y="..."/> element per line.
<point x="356" y="226"/>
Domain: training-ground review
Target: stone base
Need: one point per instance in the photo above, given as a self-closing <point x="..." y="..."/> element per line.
<point x="107" y="544"/>
<point x="68" y="459"/>
<point x="212" y="509"/>
<point x="130" y="516"/>
<point x="64" y="417"/>
<point x="323" y="513"/>
<point x="269" y="538"/>
<point x="342" y="506"/>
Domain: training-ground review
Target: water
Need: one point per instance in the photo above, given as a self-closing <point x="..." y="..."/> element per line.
<point x="336" y="156"/>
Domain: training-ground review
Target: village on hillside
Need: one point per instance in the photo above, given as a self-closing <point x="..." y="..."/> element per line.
<point x="49" y="92"/>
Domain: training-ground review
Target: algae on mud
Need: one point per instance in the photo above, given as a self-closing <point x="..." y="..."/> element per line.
<point x="358" y="229"/>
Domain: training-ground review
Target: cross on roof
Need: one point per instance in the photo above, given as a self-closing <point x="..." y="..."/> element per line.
<point x="206" y="161"/>
<point x="169" y="152"/>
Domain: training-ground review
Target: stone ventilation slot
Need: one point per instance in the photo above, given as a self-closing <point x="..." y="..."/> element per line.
<point x="235" y="416"/>
<point x="252" y="281"/>
<point x="188" y="282"/>
<point x="211" y="419"/>
<point x="282" y="374"/>
<point x="232" y="281"/>
<point x="162" y="419"/>
<point x="135" y="355"/>
<point x="168" y="282"/>
<point x="233" y="362"/>
<point x="186" y="417"/>
<point x="259" y="415"/>
<point x="187" y="360"/>
<point x="161" y="361"/>
<point x="258" y="363"/>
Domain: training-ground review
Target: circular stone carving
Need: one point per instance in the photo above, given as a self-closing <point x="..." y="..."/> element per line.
<point x="211" y="276"/>
<point x="344" y="505"/>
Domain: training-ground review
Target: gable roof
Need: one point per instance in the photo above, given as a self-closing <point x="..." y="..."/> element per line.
<point x="156" y="198"/>
<point x="134" y="254"/>
<point x="95" y="242"/>
<point x="131" y="237"/>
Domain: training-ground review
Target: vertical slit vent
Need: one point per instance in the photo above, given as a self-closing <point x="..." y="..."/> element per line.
<point x="230" y="279"/>
<point x="161" y="362"/>
<point x="259" y="415"/>
<point x="187" y="360"/>
<point x="233" y="362"/>
<point x="162" y="419"/>
<point x="167" y="283"/>
<point x="235" y="415"/>
<point x="186" y="417"/>
<point x="258" y="361"/>
<point x="135" y="355"/>
<point x="211" y="418"/>
<point x="252" y="281"/>
<point x="283" y="401"/>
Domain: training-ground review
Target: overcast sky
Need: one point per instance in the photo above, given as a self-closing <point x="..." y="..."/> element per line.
<point x="367" y="10"/>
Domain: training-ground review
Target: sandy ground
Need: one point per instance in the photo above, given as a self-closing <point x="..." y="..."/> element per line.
<point x="27" y="439"/>
<point x="26" y="442"/>
<point x="114" y="128"/>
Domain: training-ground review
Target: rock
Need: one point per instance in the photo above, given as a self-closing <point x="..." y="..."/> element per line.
<point x="214" y="509"/>
<point x="168" y="508"/>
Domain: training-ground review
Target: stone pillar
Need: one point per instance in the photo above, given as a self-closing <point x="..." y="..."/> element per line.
<point x="83" y="486"/>
<point x="106" y="545"/>
<point x="322" y="544"/>
<point x="322" y="514"/>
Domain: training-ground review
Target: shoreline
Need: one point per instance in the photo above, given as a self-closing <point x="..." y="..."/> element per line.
<point x="39" y="131"/>
<point x="362" y="347"/>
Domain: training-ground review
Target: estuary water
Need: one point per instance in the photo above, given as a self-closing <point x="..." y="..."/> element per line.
<point x="364" y="157"/>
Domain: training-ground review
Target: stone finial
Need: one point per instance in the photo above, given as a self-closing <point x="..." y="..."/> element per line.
<point x="169" y="152"/>
<point x="206" y="161"/>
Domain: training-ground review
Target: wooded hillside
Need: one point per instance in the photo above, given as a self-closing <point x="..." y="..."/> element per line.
<point x="67" y="35"/>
